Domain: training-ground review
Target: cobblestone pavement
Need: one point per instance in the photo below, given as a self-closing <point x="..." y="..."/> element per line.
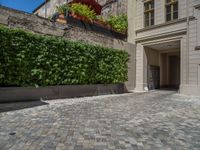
<point x="161" y="120"/>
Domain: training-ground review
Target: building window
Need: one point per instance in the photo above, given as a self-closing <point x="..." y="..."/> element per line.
<point x="148" y="13"/>
<point x="171" y="10"/>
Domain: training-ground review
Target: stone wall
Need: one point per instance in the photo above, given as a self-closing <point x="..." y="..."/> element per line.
<point x="30" y="22"/>
<point x="80" y="34"/>
<point x="18" y="19"/>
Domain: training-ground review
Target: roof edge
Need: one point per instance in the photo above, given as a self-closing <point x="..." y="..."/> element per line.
<point x="40" y="6"/>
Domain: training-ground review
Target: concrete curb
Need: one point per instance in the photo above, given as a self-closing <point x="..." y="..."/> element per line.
<point x="13" y="94"/>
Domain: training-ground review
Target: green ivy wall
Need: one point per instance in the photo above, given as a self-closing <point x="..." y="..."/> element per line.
<point x="29" y="59"/>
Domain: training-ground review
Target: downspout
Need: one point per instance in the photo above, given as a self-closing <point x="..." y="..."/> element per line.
<point x="187" y="43"/>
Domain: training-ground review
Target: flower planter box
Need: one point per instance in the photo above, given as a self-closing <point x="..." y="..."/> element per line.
<point x="79" y="17"/>
<point x="12" y="94"/>
<point x="61" y="19"/>
<point x="96" y="27"/>
<point x="101" y="29"/>
<point x="75" y="22"/>
<point x="119" y="35"/>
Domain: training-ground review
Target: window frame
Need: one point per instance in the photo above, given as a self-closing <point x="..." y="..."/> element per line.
<point x="171" y="4"/>
<point x="150" y="12"/>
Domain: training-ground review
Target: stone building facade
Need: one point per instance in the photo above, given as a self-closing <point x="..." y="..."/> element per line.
<point x="49" y="8"/>
<point x="110" y="7"/>
<point x="113" y="7"/>
<point x="167" y="38"/>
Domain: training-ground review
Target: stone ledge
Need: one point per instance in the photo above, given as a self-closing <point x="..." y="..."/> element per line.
<point x="165" y="24"/>
<point x="12" y="94"/>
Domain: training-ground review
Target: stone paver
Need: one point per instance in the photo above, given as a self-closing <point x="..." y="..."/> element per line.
<point x="161" y="120"/>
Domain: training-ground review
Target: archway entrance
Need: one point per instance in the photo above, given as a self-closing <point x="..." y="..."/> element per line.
<point x="163" y="65"/>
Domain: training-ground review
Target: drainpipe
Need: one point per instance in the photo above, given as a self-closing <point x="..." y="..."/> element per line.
<point x="187" y="43"/>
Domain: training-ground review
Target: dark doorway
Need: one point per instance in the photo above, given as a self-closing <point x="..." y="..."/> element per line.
<point x="174" y="71"/>
<point x="166" y="75"/>
<point x="163" y="65"/>
<point x="170" y="71"/>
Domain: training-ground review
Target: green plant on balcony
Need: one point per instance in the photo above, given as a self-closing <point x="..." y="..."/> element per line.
<point x="83" y="11"/>
<point x="119" y="23"/>
<point x="101" y="21"/>
<point x="62" y="9"/>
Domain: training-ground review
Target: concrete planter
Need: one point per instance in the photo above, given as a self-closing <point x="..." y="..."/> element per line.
<point x="119" y="35"/>
<point x="75" y="22"/>
<point x="11" y="94"/>
<point x="101" y="29"/>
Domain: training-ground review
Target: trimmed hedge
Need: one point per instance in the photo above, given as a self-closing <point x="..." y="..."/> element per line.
<point x="29" y="59"/>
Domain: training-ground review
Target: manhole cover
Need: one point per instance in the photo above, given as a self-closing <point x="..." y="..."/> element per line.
<point x="12" y="133"/>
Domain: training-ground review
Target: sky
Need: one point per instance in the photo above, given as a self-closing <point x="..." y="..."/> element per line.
<point x="24" y="5"/>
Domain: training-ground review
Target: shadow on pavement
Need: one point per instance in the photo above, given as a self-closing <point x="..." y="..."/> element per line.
<point x="6" y="107"/>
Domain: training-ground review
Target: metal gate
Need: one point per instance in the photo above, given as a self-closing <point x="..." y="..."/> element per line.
<point x="153" y="77"/>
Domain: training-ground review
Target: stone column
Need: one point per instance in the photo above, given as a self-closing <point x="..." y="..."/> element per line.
<point x="141" y="69"/>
